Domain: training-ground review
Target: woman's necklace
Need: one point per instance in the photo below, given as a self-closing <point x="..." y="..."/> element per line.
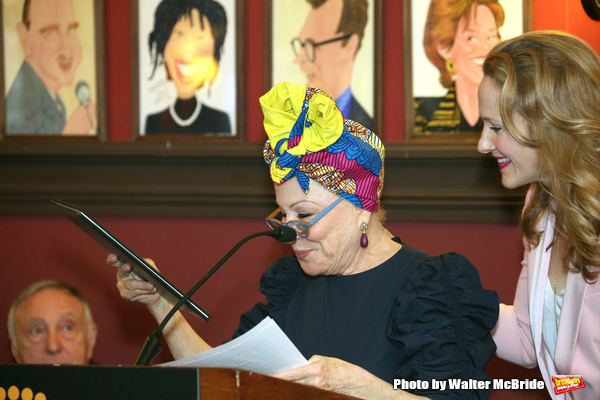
<point x="556" y="264"/>
<point x="556" y="267"/>
<point x="179" y="120"/>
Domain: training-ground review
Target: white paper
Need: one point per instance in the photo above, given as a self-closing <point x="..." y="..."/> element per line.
<point x="264" y="349"/>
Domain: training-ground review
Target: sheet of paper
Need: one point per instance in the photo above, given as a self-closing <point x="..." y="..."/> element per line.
<point x="264" y="349"/>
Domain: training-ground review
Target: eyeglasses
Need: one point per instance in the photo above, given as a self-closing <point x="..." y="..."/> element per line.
<point x="309" y="46"/>
<point x="302" y="228"/>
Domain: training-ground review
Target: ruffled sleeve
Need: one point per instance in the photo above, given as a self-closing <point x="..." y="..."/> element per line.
<point x="442" y="322"/>
<point x="278" y="284"/>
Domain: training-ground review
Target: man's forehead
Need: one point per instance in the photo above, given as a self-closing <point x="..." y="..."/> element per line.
<point x="322" y="22"/>
<point x="45" y="11"/>
<point x="50" y="303"/>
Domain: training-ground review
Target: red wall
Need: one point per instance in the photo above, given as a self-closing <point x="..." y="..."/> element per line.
<point x="35" y="247"/>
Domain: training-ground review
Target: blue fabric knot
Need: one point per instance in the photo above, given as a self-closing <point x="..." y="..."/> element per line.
<point x="298" y="128"/>
<point x="278" y="146"/>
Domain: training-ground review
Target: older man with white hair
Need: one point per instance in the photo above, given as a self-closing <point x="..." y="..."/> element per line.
<point x="50" y="322"/>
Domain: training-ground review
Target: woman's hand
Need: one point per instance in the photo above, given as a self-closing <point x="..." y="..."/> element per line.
<point x="131" y="287"/>
<point x="342" y="377"/>
<point x="181" y="338"/>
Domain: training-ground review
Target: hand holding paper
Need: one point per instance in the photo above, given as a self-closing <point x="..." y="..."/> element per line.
<point x="264" y="349"/>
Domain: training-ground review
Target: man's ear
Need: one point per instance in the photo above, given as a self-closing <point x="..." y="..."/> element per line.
<point x="14" y="352"/>
<point x="352" y="45"/>
<point x="23" y="33"/>
<point x="92" y="336"/>
<point x="444" y="52"/>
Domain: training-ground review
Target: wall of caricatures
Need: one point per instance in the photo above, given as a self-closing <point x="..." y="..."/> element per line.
<point x="38" y="247"/>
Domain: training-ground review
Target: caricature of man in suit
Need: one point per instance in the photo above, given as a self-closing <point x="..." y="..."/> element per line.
<point x="326" y="49"/>
<point x="50" y="42"/>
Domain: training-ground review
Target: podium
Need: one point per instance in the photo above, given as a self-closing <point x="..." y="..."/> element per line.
<point x="46" y="382"/>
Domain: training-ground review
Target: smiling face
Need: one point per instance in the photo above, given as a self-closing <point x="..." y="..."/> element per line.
<point x="332" y="246"/>
<point x="51" y="43"/>
<point x="518" y="164"/>
<point x="189" y="54"/>
<point x="472" y="43"/>
<point x="51" y="328"/>
<point x="331" y="70"/>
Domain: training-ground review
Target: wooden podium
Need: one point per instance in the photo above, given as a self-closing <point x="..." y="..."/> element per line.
<point x="42" y="382"/>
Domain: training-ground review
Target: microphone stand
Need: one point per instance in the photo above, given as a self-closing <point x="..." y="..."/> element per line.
<point x="152" y="346"/>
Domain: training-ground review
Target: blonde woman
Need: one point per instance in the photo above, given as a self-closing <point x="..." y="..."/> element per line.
<point x="540" y="104"/>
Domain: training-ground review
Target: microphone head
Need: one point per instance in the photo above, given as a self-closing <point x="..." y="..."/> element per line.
<point x="82" y="92"/>
<point x="284" y="234"/>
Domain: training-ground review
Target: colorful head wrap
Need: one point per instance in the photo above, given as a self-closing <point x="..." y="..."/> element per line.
<point x="309" y="139"/>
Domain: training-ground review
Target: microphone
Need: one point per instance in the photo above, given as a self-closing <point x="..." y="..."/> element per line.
<point x="152" y="346"/>
<point x="82" y="92"/>
<point x="284" y="234"/>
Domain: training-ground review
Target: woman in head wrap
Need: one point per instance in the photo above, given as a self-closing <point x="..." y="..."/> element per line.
<point x="365" y="308"/>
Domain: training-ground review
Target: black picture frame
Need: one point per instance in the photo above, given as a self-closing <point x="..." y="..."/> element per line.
<point x="592" y="9"/>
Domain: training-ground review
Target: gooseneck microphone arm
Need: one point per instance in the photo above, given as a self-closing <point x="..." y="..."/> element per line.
<point x="152" y="346"/>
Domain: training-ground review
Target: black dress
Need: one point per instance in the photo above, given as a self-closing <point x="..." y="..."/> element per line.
<point x="209" y="121"/>
<point x="414" y="317"/>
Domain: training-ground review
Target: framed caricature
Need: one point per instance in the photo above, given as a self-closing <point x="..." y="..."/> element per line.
<point x="187" y="70"/>
<point x="310" y="44"/>
<point x="52" y="69"/>
<point x="447" y="43"/>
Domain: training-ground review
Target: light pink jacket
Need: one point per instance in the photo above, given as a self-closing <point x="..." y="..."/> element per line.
<point x="518" y="333"/>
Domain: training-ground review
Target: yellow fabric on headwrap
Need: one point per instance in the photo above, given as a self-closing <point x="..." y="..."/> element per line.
<point x="282" y="106"/>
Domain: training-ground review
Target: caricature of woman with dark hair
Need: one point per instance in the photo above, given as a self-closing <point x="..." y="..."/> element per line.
<point x="188" y="38"/>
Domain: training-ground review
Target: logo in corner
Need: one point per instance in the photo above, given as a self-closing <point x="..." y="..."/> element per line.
<point x="567" y="383"/>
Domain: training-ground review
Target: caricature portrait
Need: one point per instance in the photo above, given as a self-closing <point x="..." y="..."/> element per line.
<point x="327" y="44"/>
<point x="49" y="52"/>
<point x="456" y="38"/>
<point x="188" y="90"/>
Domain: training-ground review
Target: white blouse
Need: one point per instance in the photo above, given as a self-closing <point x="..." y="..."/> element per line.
<point x="548" y="319"/>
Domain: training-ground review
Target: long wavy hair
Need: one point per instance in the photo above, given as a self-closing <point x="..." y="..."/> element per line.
<point x="552" y="80"/>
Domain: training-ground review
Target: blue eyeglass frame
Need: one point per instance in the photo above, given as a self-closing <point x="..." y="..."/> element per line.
<point x="270" y="219"/>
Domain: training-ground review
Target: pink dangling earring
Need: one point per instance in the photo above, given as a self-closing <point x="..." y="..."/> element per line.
<point x="364" y="240"/>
